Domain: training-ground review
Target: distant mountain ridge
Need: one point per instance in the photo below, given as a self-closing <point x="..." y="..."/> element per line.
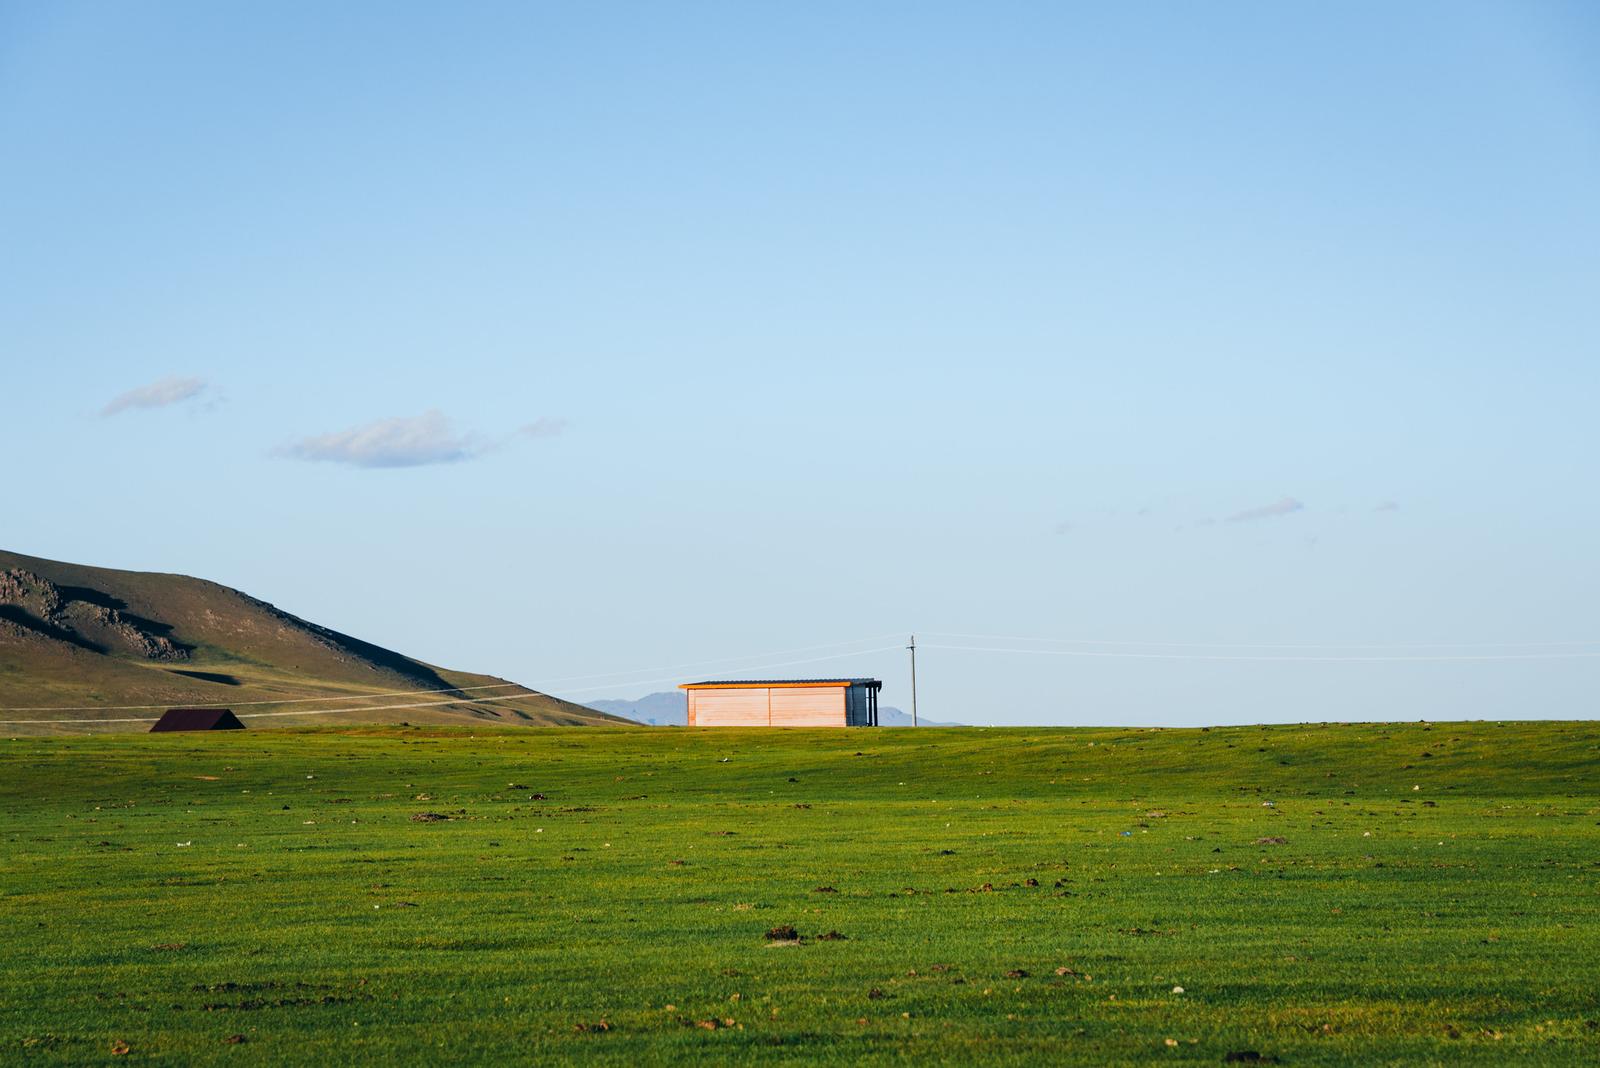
<point x="670" y="708"/>
<point x="77" y="642"/>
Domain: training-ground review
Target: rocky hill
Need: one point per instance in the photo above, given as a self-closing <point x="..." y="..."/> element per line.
<point x="94" y="648"/>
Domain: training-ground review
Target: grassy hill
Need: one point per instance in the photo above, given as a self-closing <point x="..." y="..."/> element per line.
<point x="1296" y="895"/>
<point x="76" y="642"/>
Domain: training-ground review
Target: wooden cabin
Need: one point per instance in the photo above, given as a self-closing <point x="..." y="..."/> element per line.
<point x="784" y="703"/>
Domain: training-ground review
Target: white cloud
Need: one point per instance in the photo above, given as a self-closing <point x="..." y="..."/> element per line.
<point x="168" y="391"/>
<point x="1280" y="507"/>
<point x="400" y="442"/>
<point x="544" y="427"/>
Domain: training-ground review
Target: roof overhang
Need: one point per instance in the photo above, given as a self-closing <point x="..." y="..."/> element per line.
<point x="786" y="684"/>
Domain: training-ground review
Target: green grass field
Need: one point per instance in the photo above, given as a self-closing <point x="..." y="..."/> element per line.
<point x="1319" y="895"/>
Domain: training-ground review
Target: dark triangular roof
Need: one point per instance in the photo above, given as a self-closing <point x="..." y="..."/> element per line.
<point x="198" y="719"/>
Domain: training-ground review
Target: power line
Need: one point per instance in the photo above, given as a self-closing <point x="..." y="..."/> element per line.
<point x="244" y="704"/>
<point x="725" y="660"/>
<point x="300" y="712"/>
<point x="1264" y="645"/>
<point x="743" y="671"/>
<point x="1111" y="654"/>
<point x="458" y="689"/>
<point x="430" y="704"/>
<point x="913" y="648"/>
<point x="620" y="682"/>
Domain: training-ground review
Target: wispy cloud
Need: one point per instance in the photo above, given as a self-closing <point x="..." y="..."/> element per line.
<point x="168" y="391"/>
<point x="1387" y="506"/>
<point x="412" y="441"/>
<point x="544" y="427"/>
<point x="1280" y="507"/>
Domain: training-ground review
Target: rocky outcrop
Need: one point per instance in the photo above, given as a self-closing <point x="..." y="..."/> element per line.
<point x="33" y="606"/>
<point x="26" y="590"/>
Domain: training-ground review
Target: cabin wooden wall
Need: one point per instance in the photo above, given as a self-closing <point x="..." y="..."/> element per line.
<point x="808" y="706"/>
<point x="728" y="708"/>
<point x="768" y="706"/>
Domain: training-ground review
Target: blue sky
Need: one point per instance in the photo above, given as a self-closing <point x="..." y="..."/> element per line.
<point x="561" y="340"/>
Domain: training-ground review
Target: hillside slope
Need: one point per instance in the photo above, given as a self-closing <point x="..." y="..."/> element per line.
<point x="79" y="645"/>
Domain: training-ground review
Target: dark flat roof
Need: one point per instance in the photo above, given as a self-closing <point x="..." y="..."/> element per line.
<point x="784" y="682"/>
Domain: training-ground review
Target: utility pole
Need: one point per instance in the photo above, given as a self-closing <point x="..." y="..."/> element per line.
<point x="913" y="648"/>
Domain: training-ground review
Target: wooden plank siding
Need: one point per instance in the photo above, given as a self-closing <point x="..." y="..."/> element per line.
<point x="768" y="706"/>
<point x="783" y="703"/>
<point x="807" y="707"/>
<point x="728" y="708"/>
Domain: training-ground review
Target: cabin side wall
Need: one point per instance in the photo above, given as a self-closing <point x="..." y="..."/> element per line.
<point x="728" y="707"/>
<point x="768" y="706"/>
<point x="808" y="706"/>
